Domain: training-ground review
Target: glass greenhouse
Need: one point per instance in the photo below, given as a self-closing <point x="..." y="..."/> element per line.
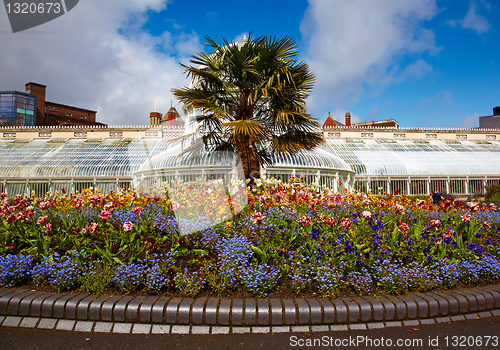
<point x="420" y="166"/>
<point x="410" y="166"/>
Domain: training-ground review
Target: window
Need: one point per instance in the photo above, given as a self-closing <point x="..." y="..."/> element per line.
<point x="83" y="117"/>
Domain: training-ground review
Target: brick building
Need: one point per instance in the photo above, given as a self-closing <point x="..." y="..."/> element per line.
<point x="171" y="119"/>
<point x="332" y="123"/>
<point x="53" y="114"/>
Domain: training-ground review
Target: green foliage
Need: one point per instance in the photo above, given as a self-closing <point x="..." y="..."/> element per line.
<point x="190" y="283"/>
<point x="97" y="280"/>
<point x="492" y="192"/>
<point x="252" y="98"/>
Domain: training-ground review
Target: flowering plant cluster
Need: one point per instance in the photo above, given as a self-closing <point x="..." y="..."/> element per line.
<point x="287" y="236"/>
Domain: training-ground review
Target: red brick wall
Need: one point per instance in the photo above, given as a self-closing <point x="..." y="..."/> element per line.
<point x="58" y="114"/>
<point x="39" y="91"/>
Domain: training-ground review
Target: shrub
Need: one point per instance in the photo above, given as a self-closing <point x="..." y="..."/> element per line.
<point x="190" y="283"/>
<point x="492" y="192"/>
<point x="97" y="279"/>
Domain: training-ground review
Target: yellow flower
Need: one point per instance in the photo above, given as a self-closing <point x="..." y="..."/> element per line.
<point x="228" y="224"/>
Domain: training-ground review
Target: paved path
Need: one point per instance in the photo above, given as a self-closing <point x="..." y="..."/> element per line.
<point x="483" y="333"/>
<point x="454" y="319"/>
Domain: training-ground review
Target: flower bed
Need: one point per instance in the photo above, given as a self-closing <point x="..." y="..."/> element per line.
<point x="288" y="240"/>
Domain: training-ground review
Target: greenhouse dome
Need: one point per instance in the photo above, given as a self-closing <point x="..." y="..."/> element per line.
<point x="317" y="166"/>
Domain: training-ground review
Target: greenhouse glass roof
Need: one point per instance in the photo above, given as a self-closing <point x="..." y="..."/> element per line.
<point x="405" y="157"/>
<point x="112" y="157"/>
<point x="76" y="157"/>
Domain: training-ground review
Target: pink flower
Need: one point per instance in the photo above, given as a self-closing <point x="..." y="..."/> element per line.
<point x="83" y="231"/>
<point x="104" y="215"/>
<point x="96" y="199"/>
<point x="345" y="222"/>
<point x="472" y="206"/>
<point x="466" y="217"/>
<point x="93" y="227"/>
<point x="331" y="221"/>
<point x="315" y="202"/>
<point x="487" y="224"/>
<point x="48" y="228"/>
<point x="305" y="220"/>
<point x="399" y="209"/>
<point x="42" y="220"/>
<point x="264" y="199"/>
<point x="175" y="206"/>
<point x="435" y="225"/>
<point x="109" y="207"/>
<point x="44" y="205"/>
<point x="366" y="214"/>
<point x="20" y="216"/>
<point x="381" y="203"/>
<point x="137" y="211"/>
<point x="420" y="203"/>
<point x="258" y="218"/>
<point x="448" y="234"/>
<point x="404" y="228"/>
<point x="128" y="226"/>
<point x="11" y="218"/>
<point x="78" y="201"/>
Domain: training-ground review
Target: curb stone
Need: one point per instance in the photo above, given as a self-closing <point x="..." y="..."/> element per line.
<point x="77" y="311"/>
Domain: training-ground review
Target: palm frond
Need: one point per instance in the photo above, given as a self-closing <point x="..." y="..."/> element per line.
<point x="245" y="127"/>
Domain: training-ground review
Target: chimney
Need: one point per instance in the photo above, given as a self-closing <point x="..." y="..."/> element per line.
<point x="39" y="91"/>
<point x="154" y="118"/>
<point x="496" y="110"/>
<point x="348" y="119"/>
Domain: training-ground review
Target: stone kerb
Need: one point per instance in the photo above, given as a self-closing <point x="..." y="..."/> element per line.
<point x="249" y="312"/>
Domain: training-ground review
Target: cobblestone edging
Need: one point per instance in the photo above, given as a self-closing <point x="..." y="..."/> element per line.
<point x="146" y="328"/>
<point x="22" y="305"/>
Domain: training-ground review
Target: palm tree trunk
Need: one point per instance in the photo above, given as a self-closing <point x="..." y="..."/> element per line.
<point x="248" y="154"/>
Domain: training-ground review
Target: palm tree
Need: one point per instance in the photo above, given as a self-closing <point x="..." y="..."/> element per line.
<point x="251" y="95"/>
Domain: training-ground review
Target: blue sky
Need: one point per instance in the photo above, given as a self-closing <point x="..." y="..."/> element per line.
<point x="425" y="63"/>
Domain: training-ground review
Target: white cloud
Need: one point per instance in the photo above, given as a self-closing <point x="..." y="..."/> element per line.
<point x="359" y="43"/>
<point x="97" y="57"/>
<point x="473" y="20"/>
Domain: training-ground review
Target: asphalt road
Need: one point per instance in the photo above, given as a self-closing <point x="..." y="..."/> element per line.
<point x="466" y="334"/>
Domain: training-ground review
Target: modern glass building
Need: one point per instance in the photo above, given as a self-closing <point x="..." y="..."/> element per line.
<point x="405" y="161"/>
<point x="17" y="108"/>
